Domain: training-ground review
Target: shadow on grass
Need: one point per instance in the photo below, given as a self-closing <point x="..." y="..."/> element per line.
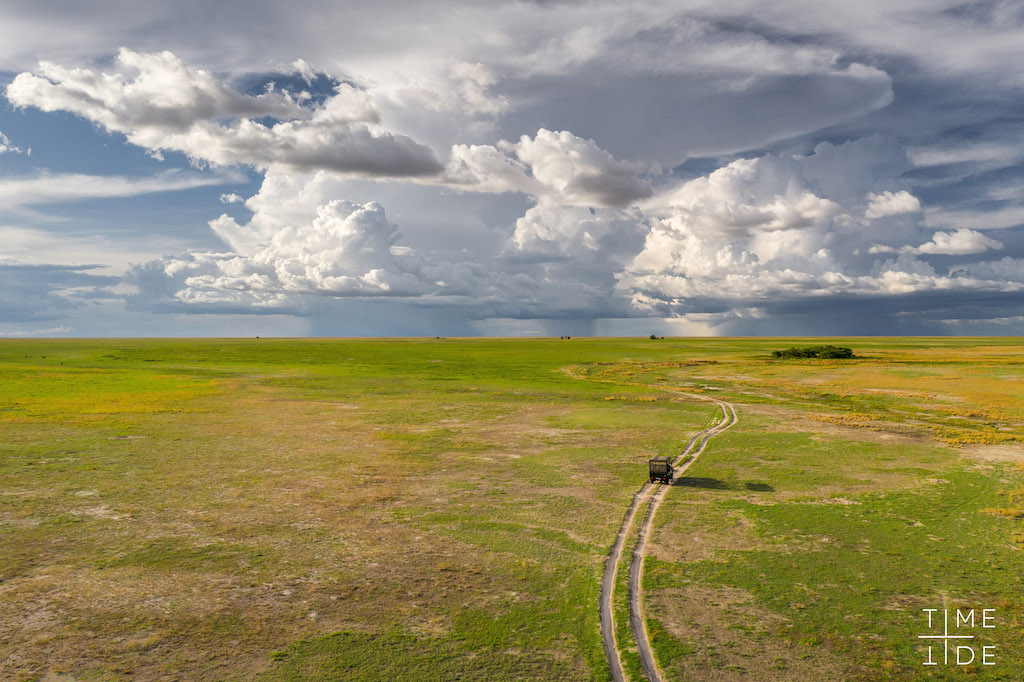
<point x="706" y="483"/>
<point x="718" y="484"/>
<point x="759" y="487"/>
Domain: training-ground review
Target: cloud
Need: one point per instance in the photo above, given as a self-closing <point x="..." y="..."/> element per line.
<point x="48" y="188"/>
<point x="40" y="291"/>
<point x="62" y="329"/>
<point x="303" y="145"/>
<point x="572" y="253"/>
<point x="555" y="165"/>
<point x="748" y="197"/>
<point x="162" y="104"/>
<point x="474" y="80"/>
<point x="348" y="250"/>
<point x="766" y="230"/>
<point x="824" y="66"/>
<point x="551" y="201"/>
<point x="231" y="198"/>
<point x="550" y="230"/>
<point x="988" y="153"/>
<point x="485" y="168"/>
<point x="961" y="242"/>
<point x="147" y="95"/>
<point x="1008" y="270"/>
<point x="948" y="35"/>
<point x="434" y="218"/>
<point x="750" y="236"/>
<point x="6" y="147"/>
<point x="1004" y="214"/>
<point x="891" y="203"/>
<point x="287" y="260"/>
<point x="579" y="171"/>
<point x="67" y="245"/>
<point x="345" y="251"/>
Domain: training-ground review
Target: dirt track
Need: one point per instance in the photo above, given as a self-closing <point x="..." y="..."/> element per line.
<point x="637" y="622"/>
<point x="687" y="457"/>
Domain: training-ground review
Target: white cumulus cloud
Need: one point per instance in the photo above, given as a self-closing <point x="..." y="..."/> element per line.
<point x="160" y="103"/>
<point x="580" y="233"/>
<point x="556" y="165"/>
<point x="345" y="251"/>
<point x="959" y="242"/>
<point x="348" y="250"/>
<point x="579" y="171"/>
<point x="148" y="93"/>
<point x="761" y="229"/>
<point x="891" y="203"/>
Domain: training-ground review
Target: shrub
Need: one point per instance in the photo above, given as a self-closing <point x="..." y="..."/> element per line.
<point x="823" y="352"/>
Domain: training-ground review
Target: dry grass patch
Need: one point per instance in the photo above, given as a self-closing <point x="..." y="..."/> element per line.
<point x="729" y="638"/>
<point x="699" y="538"/>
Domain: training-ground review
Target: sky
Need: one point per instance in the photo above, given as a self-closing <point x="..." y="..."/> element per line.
<point x="459" y="168"/>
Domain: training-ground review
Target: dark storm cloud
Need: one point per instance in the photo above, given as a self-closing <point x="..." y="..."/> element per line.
<point x="34" y="292"/>
<point x="918" y="313"/>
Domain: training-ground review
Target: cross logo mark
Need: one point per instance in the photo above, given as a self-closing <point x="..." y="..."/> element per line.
<point x="964" y="648"/>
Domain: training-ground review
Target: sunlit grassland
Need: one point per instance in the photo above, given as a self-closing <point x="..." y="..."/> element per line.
<point x="313" y="509"/>
<point x="962" y="391"/>
<point x="441" y="508"/>
<point x="806" y="542"/>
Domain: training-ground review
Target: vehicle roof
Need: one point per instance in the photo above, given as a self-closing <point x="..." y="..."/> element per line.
<point x="661" y="458"/>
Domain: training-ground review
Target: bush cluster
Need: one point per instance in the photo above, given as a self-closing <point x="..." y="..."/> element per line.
<point x="825" y="352"/>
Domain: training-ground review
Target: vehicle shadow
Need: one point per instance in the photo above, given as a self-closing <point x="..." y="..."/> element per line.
<point x="697" y="482"/>
<point x="758" y="487"/>
<point x="718" y="484"/>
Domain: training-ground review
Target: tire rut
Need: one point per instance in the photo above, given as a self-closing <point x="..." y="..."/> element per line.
<point x="638" y="625"/>
<point x="637" y="621"/>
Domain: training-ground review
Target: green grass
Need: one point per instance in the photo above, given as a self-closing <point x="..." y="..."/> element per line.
<point x="854" y="578"/>
<point x="216" y="497"/>
<point x="393" y="656"/>
<point x="441" y="509"/>
<point x="629" y="654"/>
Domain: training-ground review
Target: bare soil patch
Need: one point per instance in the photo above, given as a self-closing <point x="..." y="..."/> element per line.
<point x="1009" y="452"/>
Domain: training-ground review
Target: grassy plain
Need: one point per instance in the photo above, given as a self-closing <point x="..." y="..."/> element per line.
<point x="441" y="508"/>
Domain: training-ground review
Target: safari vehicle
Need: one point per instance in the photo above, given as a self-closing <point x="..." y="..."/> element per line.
<point x="661" y="469"/>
